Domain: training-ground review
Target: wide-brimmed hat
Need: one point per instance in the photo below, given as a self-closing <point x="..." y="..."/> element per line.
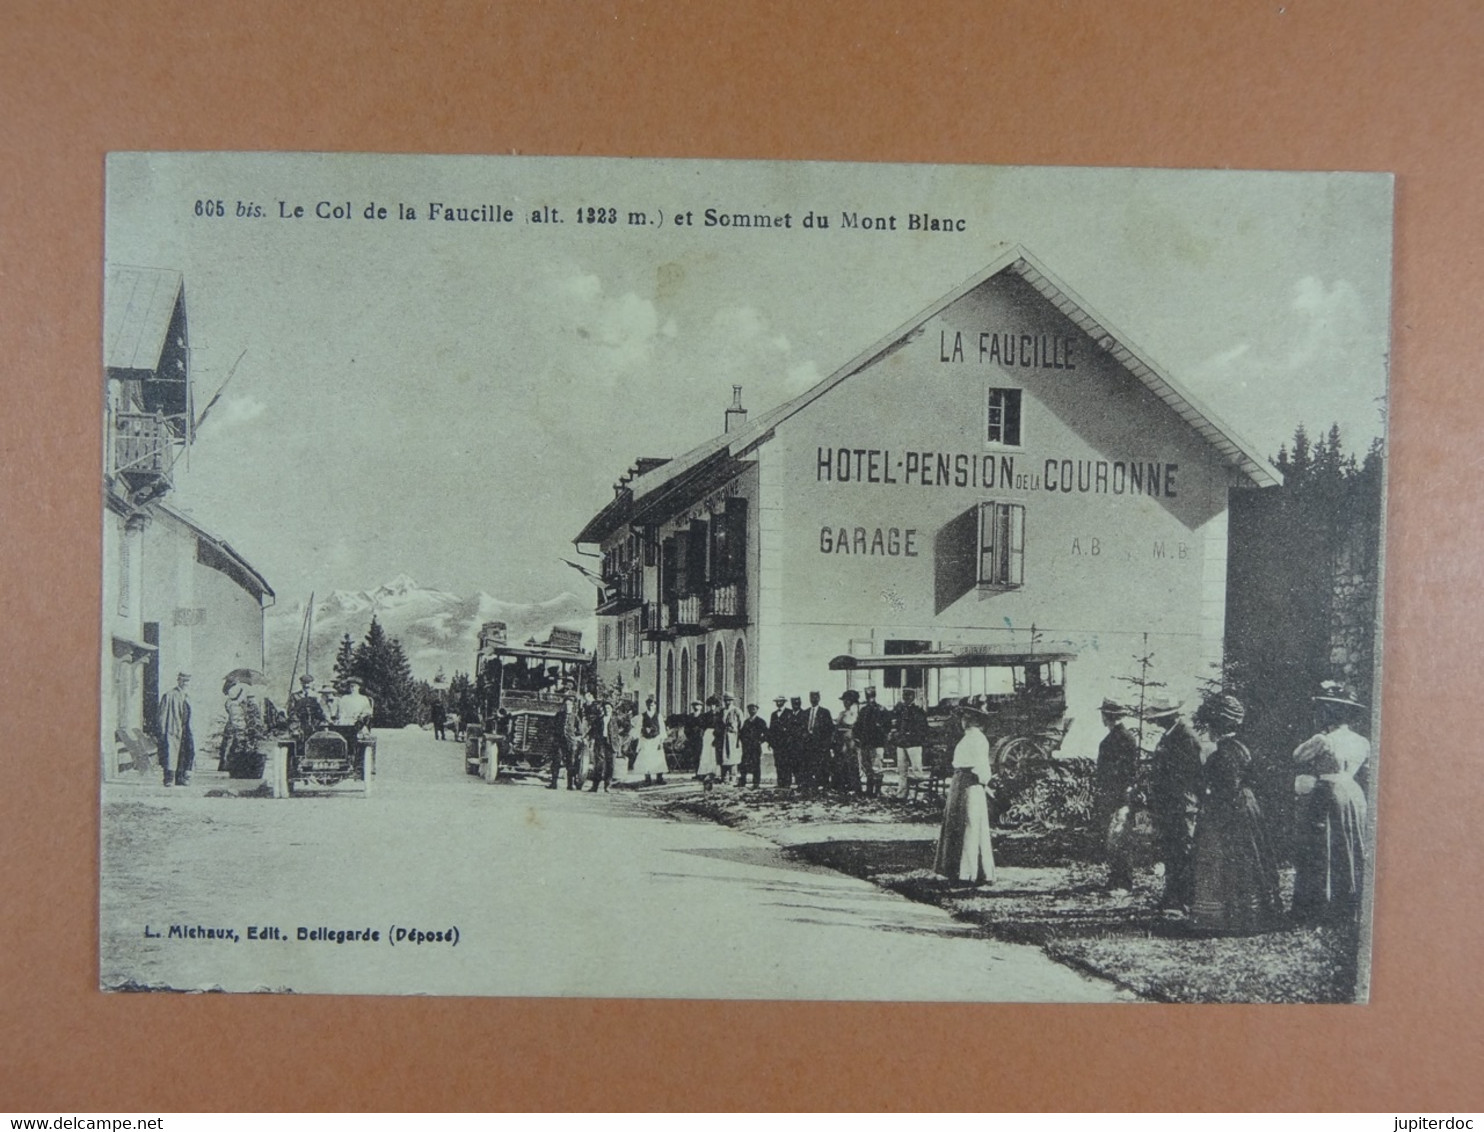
<point x="1111" y="706"/>
<point x="1229" y="712"/>
<point x="1162" y="706"/>
<point x="306" y="679"/>
<point x="971" y="712"/>
<point x="780" y="699"/>
<point x="850" y="696"/>
<point x="1335" y="692"/>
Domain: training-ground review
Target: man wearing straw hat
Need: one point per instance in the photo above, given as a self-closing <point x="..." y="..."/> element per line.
<point x="1175" y="789"/>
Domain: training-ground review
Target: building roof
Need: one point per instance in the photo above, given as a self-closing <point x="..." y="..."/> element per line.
<point x="245" y="574"/>
<point x="138" y="304"/>
<point x="1235" y="452"/>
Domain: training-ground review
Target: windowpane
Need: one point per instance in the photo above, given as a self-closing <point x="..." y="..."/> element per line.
<point x="1003" y="420"/>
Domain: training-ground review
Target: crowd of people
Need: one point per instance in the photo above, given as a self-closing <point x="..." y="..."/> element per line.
<point x="812" y="748"/>
<point x="717" y="741"/>
<point x="1199" y="804"/>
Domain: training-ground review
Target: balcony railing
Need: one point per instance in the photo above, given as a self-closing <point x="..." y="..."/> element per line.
<point x="726" y="606"/>
<point x="684" y="614"/>
<point x="141" y="446"/>
<point x="621" y="592"/>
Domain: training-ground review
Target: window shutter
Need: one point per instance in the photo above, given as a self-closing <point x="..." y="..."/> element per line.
<point x="1015" y="552"/>
<point x="988" y="549"/>
<point x="736" y="519"/>
<point x="669" y="571"/>
<point x="695" y="559"/>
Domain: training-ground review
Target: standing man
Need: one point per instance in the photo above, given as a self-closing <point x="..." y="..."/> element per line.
<point x="909" y="728"/>
<point x="780" y="728"/>
<point x="606" y="739"/>
<point x="728" y="750"/>
<point x="439" y="716"/>
<point x="1175" y="787"/>
<point x="177" y="745"/>
<point x="871" y="731"/>
<point x="818" y="733"/>
<point x="1118" y="764"/>
<point x="751" y="736"/>
<point x="568" y="736"/>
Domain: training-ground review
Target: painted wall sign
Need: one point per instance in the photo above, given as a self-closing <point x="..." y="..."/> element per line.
<point x="964" y="469"/>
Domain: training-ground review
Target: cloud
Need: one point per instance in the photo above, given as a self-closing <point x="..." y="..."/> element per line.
<point x="1326" y="321"/>
<point x="614" y="334"/>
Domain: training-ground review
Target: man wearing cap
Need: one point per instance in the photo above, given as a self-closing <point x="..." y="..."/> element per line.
<point x="750" y="737"/>
<point x="728" y="749"/>
<point x="567" y="752"/>
<point x="306" y="713"/>
<point x="177" y="745"/>
<point x="909" y="728"/>
<point x="1118" y="763"/>
<point x="871" y="730"/>
<point x="1175" y="799"/>
<point x="816" y="731"/>
<point x="780" y="738"/>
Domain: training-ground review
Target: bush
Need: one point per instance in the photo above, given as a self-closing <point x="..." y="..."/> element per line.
<point x="1053" y="793"/>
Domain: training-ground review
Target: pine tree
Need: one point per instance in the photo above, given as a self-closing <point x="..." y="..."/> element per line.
<point x="381" y="666"/>
<point x="345" y="670"/>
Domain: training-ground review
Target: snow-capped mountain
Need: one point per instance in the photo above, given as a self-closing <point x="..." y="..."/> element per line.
<point x="438" y="630"/>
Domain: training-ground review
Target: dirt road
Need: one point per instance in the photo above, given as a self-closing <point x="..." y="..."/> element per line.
<point x="545" y="892"/>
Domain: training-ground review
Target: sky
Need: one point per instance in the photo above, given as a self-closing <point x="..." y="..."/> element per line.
<point x="453" y="400"/>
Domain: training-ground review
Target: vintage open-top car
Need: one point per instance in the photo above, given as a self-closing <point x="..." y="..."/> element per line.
<point x="328" y="757"/>
<point x="1023" y="690"/>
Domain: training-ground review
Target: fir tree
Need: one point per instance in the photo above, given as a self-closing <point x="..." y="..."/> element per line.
<point x="345" y="670"/>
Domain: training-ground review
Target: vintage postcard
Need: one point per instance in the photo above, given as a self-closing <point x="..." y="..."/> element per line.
<point x="545" y="576"/>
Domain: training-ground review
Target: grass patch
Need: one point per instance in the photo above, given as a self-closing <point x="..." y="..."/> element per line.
<point x="1050" y="892"/>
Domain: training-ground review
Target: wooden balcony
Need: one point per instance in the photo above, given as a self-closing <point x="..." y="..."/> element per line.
<point x="621" y="593"/>
<point x="684" y="615"/>
<point x="141" y="449"/>
<point x="725" y="606"/>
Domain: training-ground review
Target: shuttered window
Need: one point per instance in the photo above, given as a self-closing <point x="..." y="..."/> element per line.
<point x="1001" y="545"/>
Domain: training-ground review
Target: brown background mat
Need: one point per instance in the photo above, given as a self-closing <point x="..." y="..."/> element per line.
<point x="1295" y="85"/>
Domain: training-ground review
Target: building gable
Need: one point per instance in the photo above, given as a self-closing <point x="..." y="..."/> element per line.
<point x="1017" y="263"/>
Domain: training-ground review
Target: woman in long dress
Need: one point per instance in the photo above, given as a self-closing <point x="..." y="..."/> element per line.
<point x="650" y="761"/>
<point x="964" y="851"/>
<point x="713" y="736"/>
<point x="1330" y="851"/>
<point x="1236" y="878"/>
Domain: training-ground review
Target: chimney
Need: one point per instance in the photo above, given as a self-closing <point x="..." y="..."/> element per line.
<point x="736" y="415"/>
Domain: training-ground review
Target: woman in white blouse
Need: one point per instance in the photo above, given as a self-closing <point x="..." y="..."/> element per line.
<point x="1330" y="853"/>
<point x="964" y="851"/>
